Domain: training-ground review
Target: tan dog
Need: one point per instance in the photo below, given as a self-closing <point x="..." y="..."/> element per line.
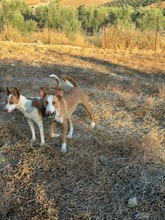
<point x="60" y="106"/>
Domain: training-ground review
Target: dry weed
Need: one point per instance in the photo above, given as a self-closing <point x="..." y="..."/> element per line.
<point x="122" y="158"/>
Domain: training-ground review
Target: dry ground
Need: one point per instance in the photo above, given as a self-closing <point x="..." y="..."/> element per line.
<point x="122" y="158"/>
<point x="76" y="4"/>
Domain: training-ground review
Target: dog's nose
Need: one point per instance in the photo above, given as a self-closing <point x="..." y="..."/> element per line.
<point x="49" y="112"/>
<point x="6" y="110"/>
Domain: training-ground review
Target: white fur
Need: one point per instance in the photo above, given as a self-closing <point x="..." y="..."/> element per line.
<point x="9" y="107"/>
<point x="69" y="83"/>
<point x="92" y="125"/>
<point x="55" y="135"/>
<point x="31" y="114"/>
<point x="63" y="148"/>
<point x="56" y="77"/>
<point x="50" y="108"/>
<point x="70" y="133"/>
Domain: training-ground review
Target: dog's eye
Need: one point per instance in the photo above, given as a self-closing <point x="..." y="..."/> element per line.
<point x="11" y="103"/>
<point x="6" y="102"/>
<point x="46" y="103"/>
<point x="54" y="103"/>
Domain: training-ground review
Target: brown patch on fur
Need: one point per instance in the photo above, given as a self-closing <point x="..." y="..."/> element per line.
<point x="38" y="103"/>
<point x="13" y="100"/>
<point x="70" y="79"/>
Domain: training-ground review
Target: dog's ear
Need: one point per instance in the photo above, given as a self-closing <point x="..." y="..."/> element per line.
<point x="59" y="94"/>
<point x="16" y="93"/>
<point x="8" y="91"/>
<point x="43" y="93"/>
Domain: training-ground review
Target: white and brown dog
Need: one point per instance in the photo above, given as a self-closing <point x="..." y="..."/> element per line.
<point x="33" y="110"/>
<point x="60" y="106"/>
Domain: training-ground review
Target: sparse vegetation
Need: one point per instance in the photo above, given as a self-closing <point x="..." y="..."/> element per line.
<point x="118" y="58"/>
<point x="84" y="21"/>
<point x="135" y="3"/>
<point x="122" y="158"/>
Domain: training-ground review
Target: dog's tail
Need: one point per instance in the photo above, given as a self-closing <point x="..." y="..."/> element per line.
<point x="70" y="81"/>
<point x="57" y="79"/>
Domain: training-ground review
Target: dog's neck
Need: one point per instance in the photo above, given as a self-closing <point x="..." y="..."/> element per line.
<point x="22" y="105"/>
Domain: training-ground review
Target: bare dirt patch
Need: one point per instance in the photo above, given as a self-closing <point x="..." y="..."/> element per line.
<point x="121" y="159"/>
<point x="76" y="4"/>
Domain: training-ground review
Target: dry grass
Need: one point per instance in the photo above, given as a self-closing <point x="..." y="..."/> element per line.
<point x="130" y="40"/>
<point x="158" y="5"/>
<point x="76" y="4"/>
<point x="115" y="39"/>
<point x="45" y="37"/>
<point x="122" y="158"/>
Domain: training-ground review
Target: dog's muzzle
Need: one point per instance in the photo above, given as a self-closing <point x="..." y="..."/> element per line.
<point x="52" y="116"/>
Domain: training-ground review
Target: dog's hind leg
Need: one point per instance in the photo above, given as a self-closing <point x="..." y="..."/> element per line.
<point x="88" y="109"/>
<point x="63" y="147"/>
<point x="70" y="133"/>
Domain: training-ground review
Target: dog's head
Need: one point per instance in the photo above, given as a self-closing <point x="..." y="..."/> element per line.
<point x="51" y="102"/>
<point x="12" y="100"/>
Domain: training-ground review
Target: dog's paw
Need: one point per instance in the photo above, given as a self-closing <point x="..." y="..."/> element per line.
<point x="54" y="135"/>
<point x="32" y="140"/>
<point x="63" y="148"/>
<point x="92" y="125"/>
<point x="69" y="135"/>
<point x="42" y="143"/>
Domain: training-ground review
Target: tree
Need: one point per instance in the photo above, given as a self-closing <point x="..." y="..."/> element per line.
<point x="86" y="16"/>
<point x="17" y="14"/>
<point x="58" y="17"/>
<point x="121" y="17"/>
<point x="149" y="18"/>
<point x="1" y="20"/>
<point x="100" y="18"/>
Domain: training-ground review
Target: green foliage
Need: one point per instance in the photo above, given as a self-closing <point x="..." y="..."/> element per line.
<point x="17" y="21"/>
<point x="121" y="16"/>
<point x="17" y="14"/>
<point x="1" y="20"/>
<point x="57" y="17"/>
<point x="149" y="19"/>
<point x="30" y="26"/>
<point x="41" y="16"/>
<point x="92" y="18"/>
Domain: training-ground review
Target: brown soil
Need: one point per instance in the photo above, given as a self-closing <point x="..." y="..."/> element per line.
<point x="121" y="158"/>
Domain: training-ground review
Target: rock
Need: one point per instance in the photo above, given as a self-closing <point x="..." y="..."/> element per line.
<point x="39" y="42"/>
<point x="103" y="160"/>
<point x="132" y="202"/>
<point x="143" y="216"/>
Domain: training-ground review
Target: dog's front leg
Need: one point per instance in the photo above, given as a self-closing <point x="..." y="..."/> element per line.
<point x="51" y="131"/>
<point x="63" y="147"/>
<point x="31" y="124"/>
<point x="40" y="126"/>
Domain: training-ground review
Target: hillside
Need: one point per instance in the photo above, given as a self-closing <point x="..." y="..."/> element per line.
<point x="114" y="171"/>
<point x="118" y="3"/>
<point x="76" y="3"/>
<point x="135" y="3"/>
<point x="158" y="5"/>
